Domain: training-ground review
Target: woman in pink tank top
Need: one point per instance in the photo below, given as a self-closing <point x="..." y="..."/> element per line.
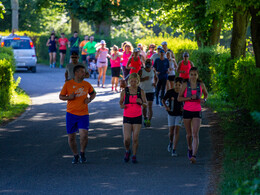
<point x="134" y="63"/>
<point x="184" y="66"/>
<point x="131" y="100"/>
<point x="115" y="67"/>
<point x="128" y="48"/>
<point x="191" y="93"/>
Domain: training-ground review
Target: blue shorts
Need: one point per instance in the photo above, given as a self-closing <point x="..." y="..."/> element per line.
<point x="75" y="122"/>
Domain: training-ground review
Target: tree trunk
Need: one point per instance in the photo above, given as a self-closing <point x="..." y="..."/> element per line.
<point x="240" y="24"/>
<point x="215" y="31"/>
<point x="255" y="32"/>
<point x="74" y="23"/>
<point x="104" y="28"/>
<point x="15" y="8"/>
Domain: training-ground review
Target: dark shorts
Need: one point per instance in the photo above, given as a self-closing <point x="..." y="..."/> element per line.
<point x="52" y="50"/>
<point x="134" y="120"/>
<point x="75" y="122"/>
<point x="83" y="57"/>
<point x="149" y="96"/>
<point x="189" y="115"/>
<point x="77" y="51"/>
<point x="63" y="51"/>
<point x="115" y="71"/>
<point x="171" y="78"/>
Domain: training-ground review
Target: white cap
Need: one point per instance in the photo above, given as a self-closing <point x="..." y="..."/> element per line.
<point x="102" y="42"/>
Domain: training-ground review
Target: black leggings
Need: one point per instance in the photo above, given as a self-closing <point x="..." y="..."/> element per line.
<point x="160" y="86"/>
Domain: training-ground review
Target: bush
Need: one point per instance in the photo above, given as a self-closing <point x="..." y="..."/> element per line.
<point x="7" y="69"/>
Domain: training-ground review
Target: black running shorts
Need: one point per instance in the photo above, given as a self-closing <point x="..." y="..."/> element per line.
<point x="134" y="120"/>
<point x="189" y="115"/>
<point x="149" y="97"/>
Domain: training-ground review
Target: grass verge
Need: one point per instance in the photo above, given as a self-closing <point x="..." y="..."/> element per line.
<point x="241" y="148"/>
<point x="20" y="101"/>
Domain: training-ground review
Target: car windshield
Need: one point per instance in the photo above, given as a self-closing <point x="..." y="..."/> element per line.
<point x="18" y="44"/>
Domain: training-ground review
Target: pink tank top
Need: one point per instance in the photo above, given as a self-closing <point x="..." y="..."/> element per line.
<point x="192" y="105"/>
<point x="185" y="68"/>
<point x="126" y="58"/>
<point x="115" y="63"/>
<point x="132" y="109"/>
<point x="150" y="55"/>
<point x="136" y="64"/>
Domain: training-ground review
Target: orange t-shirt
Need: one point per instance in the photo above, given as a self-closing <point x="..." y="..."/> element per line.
<point x="77" y="106"/>
<point x="82" y="44"/>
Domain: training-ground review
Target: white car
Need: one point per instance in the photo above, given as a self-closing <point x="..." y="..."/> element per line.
<point x="24" y="51"/>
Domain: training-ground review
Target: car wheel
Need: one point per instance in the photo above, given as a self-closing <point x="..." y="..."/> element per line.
<point x="33" y="69"/>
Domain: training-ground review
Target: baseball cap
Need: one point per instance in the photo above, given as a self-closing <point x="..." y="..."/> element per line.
<point x="159" y="47"/>
<point x="136" y="49"/>
<point x="152" y="45"/>
<point x="102" y="42"/>
<point x="185" y="54"/>
<point x="164" y="43"/>
<point x="139" y="45"/>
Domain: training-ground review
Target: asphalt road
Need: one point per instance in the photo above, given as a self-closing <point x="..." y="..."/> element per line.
<point x="35" y="157"/>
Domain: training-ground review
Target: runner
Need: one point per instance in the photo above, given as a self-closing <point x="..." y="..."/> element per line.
<point x="90" y="49"/>
<point x="101" y="56"/>
<point x="134" y="63"/>
<point x="174" y="109"/>
<point x="165" y="48"/>
<point x="148" y="83"/>
<point x="127" y="48"/>
<point x="78" y="94"/>
<point x="74" y="58"/>
<point x="191" y="93"/>
<point x="142" y="51"/>
<point x="51" y="43"/>
<point x="83" y="52"/>
<point x="151" y="51"/>
<point x="63" y="41"/>
<point x="156" y="55"/>
<point x="132" y="99"/>
<point x="115" y="67"/>
<point x="161" y="66"/>
<point x="93" y="68"/>
<point x="171" y="74"/>
<point x="184" y="66"/>
<point x="74" y="43"/>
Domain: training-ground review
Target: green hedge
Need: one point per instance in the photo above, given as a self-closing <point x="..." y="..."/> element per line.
<point x="7" y="69"/>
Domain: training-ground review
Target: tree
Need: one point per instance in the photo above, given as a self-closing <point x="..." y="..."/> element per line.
<point x="2" y="10"/>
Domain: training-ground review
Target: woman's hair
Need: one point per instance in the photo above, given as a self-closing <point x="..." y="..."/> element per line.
<point x="169" y="53"/>
<point x="112" y="49"/>
<point x="134" y="75"/>
<point x="195" y="69"/>
<point x="124" y="44"/>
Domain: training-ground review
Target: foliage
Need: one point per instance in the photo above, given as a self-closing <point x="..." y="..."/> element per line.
<point x="7" y="84"/>
<point x="2" y="10"/>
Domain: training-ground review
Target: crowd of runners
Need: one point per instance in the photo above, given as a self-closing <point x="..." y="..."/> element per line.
<point x="145" y="76"/>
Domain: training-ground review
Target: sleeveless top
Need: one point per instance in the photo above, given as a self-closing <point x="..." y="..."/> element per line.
<point x="52" y="47"/>
<point x="192" y="105"/>
<point x="186" y="68"/>
<point x="132" y="109"/>
<point x="147" y="85"/>
<point x="126" y="58"/>
<point x="150" y="55"/>
<point x="102" y="58"/>
<point x="137" y="64"/>
<point x="115" y="63"/>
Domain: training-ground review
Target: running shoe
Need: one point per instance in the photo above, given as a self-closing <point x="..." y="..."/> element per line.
<point x="161" y="104"/>
<point x="157" y="101"/>
<point x="134" y="159"/>
<point x="127" y="156"/>
<point x="145" y="122"/>
<point x="193" y="159"/>
<point x="169" y="148"/>
<point x="75" y="159"/>
<point x="189" y="154"/>
<point x="116" y="90"/>
<point x="82" y="158"/>
<point x="174" y="153"/>
<point x="148" y="123"/>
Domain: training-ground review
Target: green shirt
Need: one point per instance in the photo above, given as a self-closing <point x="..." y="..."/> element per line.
<point x="90" y="47"/>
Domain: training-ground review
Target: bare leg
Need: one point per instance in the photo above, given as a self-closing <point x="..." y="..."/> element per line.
<point x="116" y="82"/>
<point x="104" y="74"/>
<point x="100" y="71"/>
<point x="187" y="124"/>
<point x="127" y="131"/>
<point x="171" y="129"/>
<point x="54" y="57"/>
<point x="51" y="60"/>
<point x="113" y="82"/>
<point x="150" y="110"/>
<point x="176" y="136"/>
<point x="136" y="131"/>
<point x="61" y="58"/>
<point x="195" y="135"/>
<point x="72" y="143"/>
<point x="83" y="139"/>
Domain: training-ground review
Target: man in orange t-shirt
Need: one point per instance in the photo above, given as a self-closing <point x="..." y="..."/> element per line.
<point x="78" y="94"/>
<point x="83" y="53"/>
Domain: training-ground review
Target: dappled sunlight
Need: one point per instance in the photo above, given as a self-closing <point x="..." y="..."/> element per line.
<point x="46" y="99"/>
<point x="112" y="121"/>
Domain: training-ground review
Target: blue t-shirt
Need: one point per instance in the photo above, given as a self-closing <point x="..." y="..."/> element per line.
<point x="162" y="67"/>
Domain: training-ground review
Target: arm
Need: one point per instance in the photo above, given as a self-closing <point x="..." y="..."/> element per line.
<point x="155" y="79"/>
<point x="128" y="63"/>
<point x="179" y="67"/>
<point x="142" y="101"/>
<point x="204" y="91"/>
<point x="91" y="97"/>
<point x="48" y="42"/>
<point x="181" y="97"/>
<point x="175" y="64"/>
<point x="164" y="104"/>
<point x="191" y="63"/>
<point x="66" y="75"/>
<point x="97" y="54"/>
<point x="143" y="60"/>
<point x="121" y="101"/>
<point x="67" y="97"/>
